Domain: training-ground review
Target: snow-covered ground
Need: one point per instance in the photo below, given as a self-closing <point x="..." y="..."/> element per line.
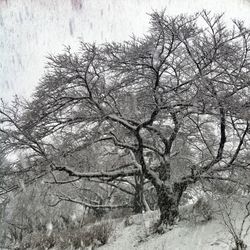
<point x="211" y="235"/>
<point x="186" y="235"/>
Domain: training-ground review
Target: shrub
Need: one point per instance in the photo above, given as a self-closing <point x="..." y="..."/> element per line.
<point x="101" y="232"/>
<point x="200" y="211"/>
<point x="93" y="235"/>
<point x="225" y="188"/>
<point x="87" y="220"/>
<point x="39" y="241"/>
<point x="119" y="213"/>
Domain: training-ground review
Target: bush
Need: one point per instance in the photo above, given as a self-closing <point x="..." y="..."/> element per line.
<point x="225" y="188"/>
<point x="93" y="235"/>
<point x="119" y="213"/>
<point x="39" y="241"/>
<point x="101" y="232"/>
<point x="203" y="209"/>
<point x="200" y="211"/>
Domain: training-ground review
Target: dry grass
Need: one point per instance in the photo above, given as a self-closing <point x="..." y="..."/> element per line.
<point x="93" y="235"/>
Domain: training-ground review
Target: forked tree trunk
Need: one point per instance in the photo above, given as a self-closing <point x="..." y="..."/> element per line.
<point x="168" y="195"/>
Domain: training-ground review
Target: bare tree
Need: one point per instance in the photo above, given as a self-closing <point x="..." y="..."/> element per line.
<point x="235" y="213"/>
<point x="170" y="108"/>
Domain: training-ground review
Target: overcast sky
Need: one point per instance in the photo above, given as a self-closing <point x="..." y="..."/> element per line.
<point x="31" y="29"/>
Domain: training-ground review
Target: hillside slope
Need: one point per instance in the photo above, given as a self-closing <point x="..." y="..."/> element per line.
<point x="184" y="236"/>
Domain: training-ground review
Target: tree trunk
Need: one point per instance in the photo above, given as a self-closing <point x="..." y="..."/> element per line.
<point x="145" y="204"/>
<point x="168" y="202"/>
<point x="138" y="206"/>
<point x="167" y="205"/>
<point x="240" y="245"/>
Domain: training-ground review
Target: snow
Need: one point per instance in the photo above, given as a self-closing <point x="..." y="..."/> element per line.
<point x="184" y="236"/>
<point x="30" y="30"/>
<point x="49" y="228"/>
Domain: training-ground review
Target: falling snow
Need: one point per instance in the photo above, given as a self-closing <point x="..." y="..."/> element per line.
<point x="31" y="30"/>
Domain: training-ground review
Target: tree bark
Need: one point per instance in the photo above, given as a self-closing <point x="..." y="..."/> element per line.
<point x="240" y="245"/>
<point x="138" y="206"/>
<point x="168" y="202"/>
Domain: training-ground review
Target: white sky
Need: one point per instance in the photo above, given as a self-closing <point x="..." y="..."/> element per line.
<point x="31" y="29"/>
